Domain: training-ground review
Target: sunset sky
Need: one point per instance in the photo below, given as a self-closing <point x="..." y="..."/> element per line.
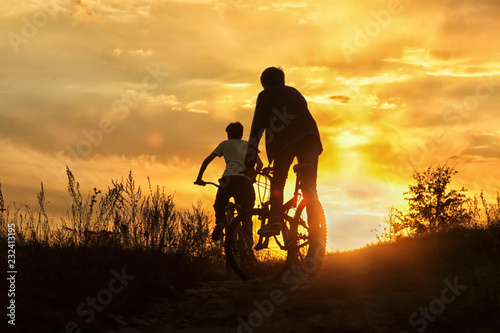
<point x="108" y="86"/>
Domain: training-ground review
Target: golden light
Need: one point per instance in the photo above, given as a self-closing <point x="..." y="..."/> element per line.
<point x="348" y="139"/>
<point x="183" y="70"/>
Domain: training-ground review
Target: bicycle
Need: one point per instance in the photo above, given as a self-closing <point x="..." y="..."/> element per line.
<point x="302" y="240"/>
<point x="230" y="213"/>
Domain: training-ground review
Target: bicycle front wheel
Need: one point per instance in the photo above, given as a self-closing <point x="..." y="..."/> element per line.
<point x="250" y="255"/>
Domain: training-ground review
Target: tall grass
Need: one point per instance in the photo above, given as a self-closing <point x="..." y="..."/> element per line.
<point x="491" y="211"/>
<point x="62" y="262"/>
<point x="122" y="217"/>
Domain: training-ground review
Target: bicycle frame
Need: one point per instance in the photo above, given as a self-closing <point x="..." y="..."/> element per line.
<point x="297" y="201"/>
<point x="302" y="234"/>
<point x="230" y="209"/>
<point x="230" y="213"/>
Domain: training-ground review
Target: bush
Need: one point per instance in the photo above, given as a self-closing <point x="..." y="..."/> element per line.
<point x="431" y="206"/>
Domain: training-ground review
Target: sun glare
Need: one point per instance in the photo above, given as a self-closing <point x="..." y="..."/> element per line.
<point x="154" y="90"/>
<point x="348" y="139"/>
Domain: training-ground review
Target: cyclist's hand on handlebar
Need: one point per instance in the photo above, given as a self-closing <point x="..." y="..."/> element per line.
<point x="200" y="182"/>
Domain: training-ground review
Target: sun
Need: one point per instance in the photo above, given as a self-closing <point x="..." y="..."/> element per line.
<point x="352" y="138"/>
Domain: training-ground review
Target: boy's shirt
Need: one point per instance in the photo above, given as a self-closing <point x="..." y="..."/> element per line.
<point x="234" y="152"/>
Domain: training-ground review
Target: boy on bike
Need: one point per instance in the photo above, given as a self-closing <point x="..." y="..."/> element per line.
<point x="233" y="182"/>
<point x="291" y="132"/>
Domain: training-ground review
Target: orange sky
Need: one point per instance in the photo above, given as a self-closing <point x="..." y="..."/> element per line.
<point x="149" y="86"/>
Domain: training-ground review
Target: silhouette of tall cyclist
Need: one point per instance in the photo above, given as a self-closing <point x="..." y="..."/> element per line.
<point x="291" y="131"/>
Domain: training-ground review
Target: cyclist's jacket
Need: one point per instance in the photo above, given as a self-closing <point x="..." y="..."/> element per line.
<point x="282" y="112"/>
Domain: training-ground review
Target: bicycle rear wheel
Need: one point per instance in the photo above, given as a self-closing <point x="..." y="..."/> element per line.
<point x="265" y="261"/>
<point x="307" y="236"/>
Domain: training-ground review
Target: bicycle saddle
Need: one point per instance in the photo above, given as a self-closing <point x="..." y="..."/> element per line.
<point x="302" y="167"/>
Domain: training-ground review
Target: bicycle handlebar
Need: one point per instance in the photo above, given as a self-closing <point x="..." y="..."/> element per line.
<point x="266" y="172"/>
<point x="206" y="183"/>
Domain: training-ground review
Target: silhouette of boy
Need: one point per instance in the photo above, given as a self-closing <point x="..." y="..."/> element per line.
<point x="233" y="184"/>
<point x="291" y="132"/>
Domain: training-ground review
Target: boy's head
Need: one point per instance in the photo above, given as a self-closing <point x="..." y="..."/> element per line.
<point x="234" y="130"/>
<point x="272" y="76"/>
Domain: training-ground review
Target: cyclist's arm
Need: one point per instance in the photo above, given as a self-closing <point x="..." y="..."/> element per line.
<point x="259" y="165"/>
<point x="204" y="165"/>
<point x="256" y="130"/>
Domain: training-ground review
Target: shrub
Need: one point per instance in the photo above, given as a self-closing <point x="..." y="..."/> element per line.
<point x="431" y="206"/>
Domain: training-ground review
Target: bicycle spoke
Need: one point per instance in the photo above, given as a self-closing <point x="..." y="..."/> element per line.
<point x="279" y="243"/>
<point x="266" y="260"/>
<point x="257" y="257"/>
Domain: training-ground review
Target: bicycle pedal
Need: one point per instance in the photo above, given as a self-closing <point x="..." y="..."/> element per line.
<point x="260" y="247"/>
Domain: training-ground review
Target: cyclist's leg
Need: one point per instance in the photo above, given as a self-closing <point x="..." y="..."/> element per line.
<point x="221" y="200"/>
<point x="282" y="164"/>
<point x="244" y="196"/>
<point x="308" y="151"/>
<point x="308" y="178"/>
<point x="281" y="167"/>
<point x="243" y="192"/>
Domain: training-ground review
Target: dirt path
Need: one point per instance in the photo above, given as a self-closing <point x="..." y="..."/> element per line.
<point x="238" y="306"/>
<point x="385" y="289"/>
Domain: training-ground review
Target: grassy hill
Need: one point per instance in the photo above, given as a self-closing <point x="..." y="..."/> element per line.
<point x="447" y="282"/>
<point x="124" y="261"/>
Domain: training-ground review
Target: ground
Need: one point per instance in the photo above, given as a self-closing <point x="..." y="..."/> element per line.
<point x="405" y="288"/>
<point x="439" y="283"/>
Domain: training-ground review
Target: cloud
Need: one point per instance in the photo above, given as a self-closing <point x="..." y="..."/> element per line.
<point x="430" y="60"/>
<point x="110" y="10"/>
<point x="484" y="145"/>
<point x="141" y="52"/>
<point x="341" y="99"/>
<point x="379" y="78"/>
<point x="422" y="90"/>
<point x="97" y="171"/>
<point x="445" y="63"/>
<point x="81" y="10"/>
<point x="284" y="6"/>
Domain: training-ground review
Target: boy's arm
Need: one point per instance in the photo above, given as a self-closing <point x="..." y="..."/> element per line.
<point x="203" y="167"/>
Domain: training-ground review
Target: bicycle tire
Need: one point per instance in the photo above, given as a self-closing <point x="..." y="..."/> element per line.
<point x="298" y="244"/>
<point x="310" y="233"/>
<point x="267" y="263"/>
